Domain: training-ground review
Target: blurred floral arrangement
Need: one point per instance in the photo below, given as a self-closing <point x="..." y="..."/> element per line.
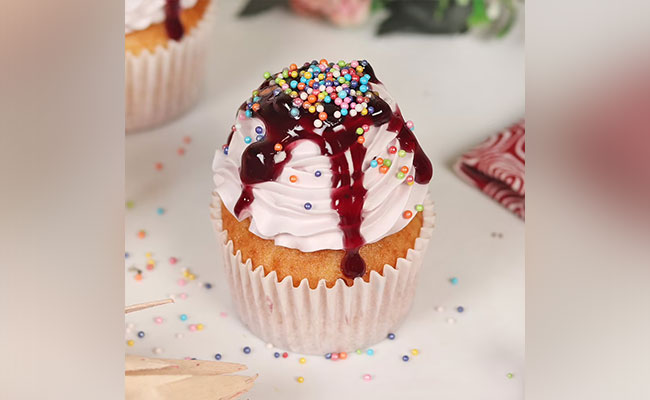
<point x="491" y="17"/>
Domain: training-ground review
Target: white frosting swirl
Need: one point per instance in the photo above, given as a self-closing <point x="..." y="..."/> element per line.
<point x="278" y="211"/>
<point x="140" y="14"/>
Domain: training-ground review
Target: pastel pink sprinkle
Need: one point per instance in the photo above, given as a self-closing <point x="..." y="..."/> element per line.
<point x="224" y="314"/>
<point x="409" y="124"/>
<point x="192" y="327"/>
<point x="183" y="296"/>
<point x="173" y="260"/>
<point x="367" y="377"/>
<point x="182" y="282"/>
<point x="158" y="320"/>
<point x="187" y="358"/>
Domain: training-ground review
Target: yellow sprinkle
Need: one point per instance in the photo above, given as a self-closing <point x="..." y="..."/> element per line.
<point x="321" y="77"/>
<point x="312" y="109"/>
<point x="282" y="82"/>
<point x="364" y="111"/>
<point x="191" y="277"/>
<point x="130" y="342"/>
<point x="415" y="352"/>
<point x="301" y="379"/>
<point x="308" y="75"/>
<point x="147" y="254"/>
<point x="294" y="74"/>
<point x="186" y="273"/>
<point x="302" y="360"/>
<point x="199" y="327"/>
<point x="321" y="96"/>
<point x="294" y="94"/>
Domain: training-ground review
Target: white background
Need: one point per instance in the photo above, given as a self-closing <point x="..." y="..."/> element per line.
<point x="457" y="90"/>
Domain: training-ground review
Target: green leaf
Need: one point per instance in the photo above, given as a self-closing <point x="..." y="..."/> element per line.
<point x="422" y="16"/>
<point x="254" y="7"/>
<point x="479" y="14"/>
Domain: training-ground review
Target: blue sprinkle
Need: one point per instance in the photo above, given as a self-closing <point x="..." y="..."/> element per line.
<point x="247" y="350"/>
<point x="249" y="113"/>
<point x="208" y="286"/>
<point x="460" y="309"/>
<point x="183" y="317"/>
<point x="307" y="206"/>
<point x="391" y="336"/>
<point x="277" y="92"/>
<point x="276" y="355"/>
<point x="405" y="358"/>
<point x="293" y="84"/>
<point x="374" y="163"/>
<point x="371" y="109"/>
<point x="344" y="111"/>
<point x="248" y="139"/>
<point x="258" y="129"/>
<point x="328" y="356"/>
<point x="126" y="255"/>
<point x="327" y="99"/>
<point x="343" y="94"/>
<point x="259" y="138"/>
<point x="370" y="352"/>
<point x="363" y="81"/>
<point x="160" y="211"/>
<point x="295" y="112"/>
<point x="354" y="84"/>
<point x="256" y="99"/>
<point x="217" y="356"/>
<point x="363" y="88"/>
<point x="318" y="174"/>
<point x="225" y="150"/>
<point x="347" y="77"/>
<point x="140" y="334"/>
<point x="454" y="281"/>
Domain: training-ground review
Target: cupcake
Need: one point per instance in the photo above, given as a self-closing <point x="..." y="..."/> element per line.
<point x="165" y="47"/>
<point x="321" y="208"/>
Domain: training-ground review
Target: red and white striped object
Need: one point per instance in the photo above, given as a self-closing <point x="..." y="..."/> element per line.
<point x="497" y="167"/>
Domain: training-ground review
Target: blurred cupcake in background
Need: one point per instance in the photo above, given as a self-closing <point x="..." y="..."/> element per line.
<point x="165" y="46"/>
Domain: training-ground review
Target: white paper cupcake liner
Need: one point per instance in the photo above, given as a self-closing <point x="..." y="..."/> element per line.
<point x="163" y="84"/>
<point x="322" y="320"/>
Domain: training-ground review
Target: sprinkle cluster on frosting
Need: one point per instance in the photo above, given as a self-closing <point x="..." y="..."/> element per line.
<point x="344" y="84"/>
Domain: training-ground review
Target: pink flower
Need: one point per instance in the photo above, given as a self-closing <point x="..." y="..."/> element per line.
<point x="339" y="12"/>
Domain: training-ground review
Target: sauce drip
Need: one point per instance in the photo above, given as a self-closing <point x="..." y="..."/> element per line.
<point x="260" y="161"/>
<point x="173" y="24"/>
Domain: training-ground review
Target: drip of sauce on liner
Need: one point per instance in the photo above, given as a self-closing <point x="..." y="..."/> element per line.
<point x="173" y="24"/>
<point x="259" y="164"/>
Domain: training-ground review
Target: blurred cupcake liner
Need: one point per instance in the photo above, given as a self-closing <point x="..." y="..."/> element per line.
<point x="162" y="85"/>
<point x="322" y="320"/>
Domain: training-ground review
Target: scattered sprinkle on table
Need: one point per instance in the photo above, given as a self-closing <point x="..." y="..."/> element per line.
<point x="158" y="166"/>
<point x="183" y="317"/>
<point x="180" y="151"/>
<point x="370" y="352"/>
<point x="207" y="285"/>
<point x="157" y="350"/>
<point x="130" y="204"/>
<point x="300" y="379"/>
<point x="158" y="320"/>
<point x="454" y="281"/>
<point x="367" y="377"/>
<point x="187" y="140"/>
<point x="415" y="352"/>
<point x="510" y="375"/>
<point x="217" y="356"/>
<point x="343" y="355"/>
<point x="302" y="360"/>
<point x="451" y="320"/>
<point x="160" y="211"/>
<point x="405" y="358"/>
<point x="140" y="334"/>
<point x="460" y="309"/>
<point x="285" y="355"/>
<point x="142" y="234"/>
<point x="247" y="350"/>
<point x="173" y="260"/>
<point x="276" y="355"/>
<point x="328" y="356"/>
<point x="391" y="336"/>
<point x="130" y="342"/>
<point x="440" y="308"/>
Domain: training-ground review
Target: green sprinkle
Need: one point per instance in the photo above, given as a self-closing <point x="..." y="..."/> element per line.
<point x="341" y="63"/>
<point x="387" y="163"/>
<point x="341" y="79"/>
<point x="400" y="175"/>
<point x="285" y="73"/>
<point x="358" y="351"/>
<point x="288" y="91"/>
<point x="401" y="153"/>
<point x="255" y="92"/>
<point x="359" y="131"/>
<point x="510" y="375"/>
<point x="267" y="75"/>
<point x="130" y="204"/>
<point x="419" y="207"/>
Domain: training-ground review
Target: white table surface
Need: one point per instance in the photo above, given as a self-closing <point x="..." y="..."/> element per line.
<point x="462" y="88"/>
